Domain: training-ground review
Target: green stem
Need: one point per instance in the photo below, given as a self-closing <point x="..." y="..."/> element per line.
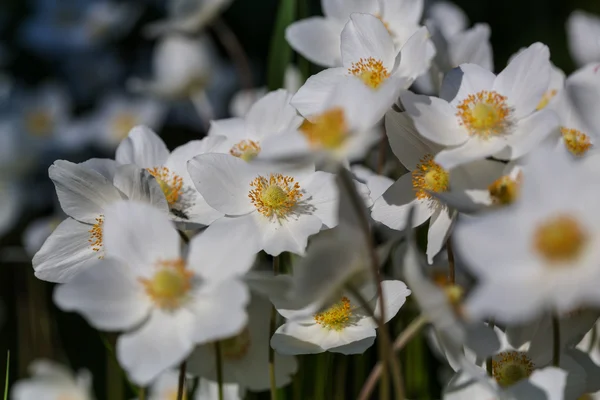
<point x="219" y="359"/>
<point x="181" y="384"/>
<point x="322" y="373"/>
<point x="342" y="368"/>
<point x="555" y="340"/>
<point x="142" y="394"/>
<point x="7" y="375"/>
<point x="108" y="346"/>
<point x="272" y="328"/>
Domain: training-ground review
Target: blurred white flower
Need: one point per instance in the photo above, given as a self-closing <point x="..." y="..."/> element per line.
<point x="146" y="150"/>
<point x="369" y="55"/>
<point x="245" y="356"/>
<point x="480" y="114"/>
<point x="209" y="390"/>
<point x="38" y="232"/>
<point x="52" y="381"/>
<point x="318" y="38"/>
<point x="188" y="16"/>
<point x="583" y="34"/>
<point x="145" y="287"/>
<point x="84" y="191"/>
<point x="542" y="249"/>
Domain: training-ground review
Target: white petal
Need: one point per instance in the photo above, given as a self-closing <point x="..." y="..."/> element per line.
<point x="143" y="148"/>
<point x="226" y="248"/>
<point x="531" y="132"/>
<point x="139" y="235"/>
<point x="353" y="339"/>
<point x="144" y="360"/>
<point x="434" y="118"/>
<point x="472" y="47"/>
<point x="406" y="143"/>
<point x="364" y="37"/>
<point x="293" y="339"/>
<point x="107" y="294"/>
<point x="224" y="182"/>
<point x="138" y="185"/>
<point x="64" y="253"/>
<point x="392" y="208"/>
<point x="317" y="39"/>
<point x="234" y="129"/>
<point x="82" y="192"/>
<point x="402" y="10"/>
<point x="341" y="9"/>
<point x="525" y="80"/>
<point x="287" y="235"/>
<point x="273" y="114"/>
<point x="416" y="55"/>
<point x="474" y="149"/>
<point x="465" y="80"/>
<point x="322" y="197"/>
<point x="583" y="30"/>
<point x="439" y="229"/>
<point x="313" y="95"/>
<point x="394" y="296"/>
<point x="448" y="17"/>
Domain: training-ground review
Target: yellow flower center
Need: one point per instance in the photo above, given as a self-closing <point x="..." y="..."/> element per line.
<point x="560" y="239"/>
<point x="577" y="142"/>
<point x="39" y="123"/>
<point x="276" y="195"/>
<point x="95" y="239"/>
<point x="328" y="130"/>
<point x="484" y="114"/>
<point x="170" y="183"/>
<point x="510" y="367"/>
<point x="505" y="190"/>
<point x="236" y="347"/>
<point x="246" y="150"/>
<point x="370" y="71"/>
<point x="169" y="286"/>
<point x="335" y="317"/>
<point x="429" y="177"/>
<point x="549" y="95"/>
<point x="122" y="123"/>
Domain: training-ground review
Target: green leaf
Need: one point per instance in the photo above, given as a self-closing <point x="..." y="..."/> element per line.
<point x="280" y="53"/>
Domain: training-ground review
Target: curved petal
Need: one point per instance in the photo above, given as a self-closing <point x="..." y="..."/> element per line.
<point x="224" y="182"/>
<point x="531" y="132"/>
<point x="139" y="235"/>
<point x="365" y="37"/>
<point x="406" y="143"/>
<point x="287" y="235"/>
<point x="313" y="95"/>
<point x="289" y="339"/>
<point x="317" y="39"/>
<point x="143" y="148"/>
<point x="472" y="47"/>
<point x="468" y="79"/>
<point x="448" y="17"/>
<point x="107" y="294"/>
<point x="394" y="296"/>
<point x="273" y="114"/>
<point x="138" y="185"/>
<point x="211" y="254"/>
<point x="583" y="30"/>
<point x="323" y="197"/>
<point x="234" y="129"/>
<point x="525" y="80"/>
<point x="64" y="253"/>
<point x="416" y="55"/>
<point x="439" y="230"/>
<point x="473" y="149"/>
<point x="83" y="193"/>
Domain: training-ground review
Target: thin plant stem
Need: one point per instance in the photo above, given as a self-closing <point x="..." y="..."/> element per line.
<point x="322" y="376"/>
<point x="142" y="394"/>
<point x="451" y="265"/>
<point x="342" y="369"/>
<point x="219" y="360"/>
<point x="236" y="52"/>
<point x="387" y="358"/>
<point x="7" y="376"/>
<point x="489" y="364"/>
<point x="410" y="332"/>
<point x="555" y="340"/>
<point x="272" y="328"/>
<point x="382" y="155"/>
<point x="593" y="339"/>
<point x="181" y="383"/>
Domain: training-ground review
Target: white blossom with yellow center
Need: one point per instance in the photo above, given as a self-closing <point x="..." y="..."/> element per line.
<point x="149" y="290"/>
<point x="542" y="248"/>
<point x="479" y="114"/>
<point x="268" y="209"/>
<point x="344" y="326"/>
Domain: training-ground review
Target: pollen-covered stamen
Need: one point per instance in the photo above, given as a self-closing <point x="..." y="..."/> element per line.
<point x="276" y="195"/>
<point x="371" y="71"/>
<point x="39" y="122"/>
<point x="236" y="347"/>
<point x="546" y="98"/>
<point x="169" y="286"/>
<point x="428" y="176"/>
<point x="328" y="130"/>
<point x="170" y="183"/>
<point x="484" y="114"/>
<point x="95" y="239"/>
<point x="560" y="239"/>
<point x="246" y="150"/>
<point x="122" y="123"/>
<point x="505" y="189"/>
<point x="510" y="367"/>
<point x="577" y="142"/>
<point x="336" y="317"/>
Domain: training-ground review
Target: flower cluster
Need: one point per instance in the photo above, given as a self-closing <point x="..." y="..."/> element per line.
<point x="282" y="233"/>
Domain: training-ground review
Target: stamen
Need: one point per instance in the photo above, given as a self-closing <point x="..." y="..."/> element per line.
<point x="546" y="98"/>
<point x="335" y="317"/>
<point x="560" y="239"/>
<point x="428" y="176"/>
<point x="170" y="183"/>
<point x="95" y="239"/>
<point x="577" y="142"/>
<point x="370" y="71"/>
<point x="169" y="286"/>
<point x="510" y="367"/>
<point x="485" y="114"/>
<point x="246" y="150"/>
<point x="276" y="195"/>
<point x="505" y="190"/>
<point x="328" y="130"/>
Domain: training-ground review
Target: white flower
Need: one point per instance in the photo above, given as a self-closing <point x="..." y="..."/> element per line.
<point x="413" y="190"/>
<point x="209" y="390"/>
<point x="345" y="327"/>
<point x="376" y="183"/>
<point x="270" y="116"/>
<point x="481" y="114"/>
<point x="245" y="356"/>
<point x="84" y="191"/>
<point x="52" y="381"/>
<point x="165" y="303"/>
<point x="368" y="54"/>
<point x="318" y="38"/>
<point x="542" y="249"/>
<point x="583" y="34"/>
<point x="266" y="207"/>
<point x="165" y="387"/>
<point x="38" y="232"/>
<point x="145" y="149"/>
<point x="117" y="115"/>
<point x="188" y="16"/>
